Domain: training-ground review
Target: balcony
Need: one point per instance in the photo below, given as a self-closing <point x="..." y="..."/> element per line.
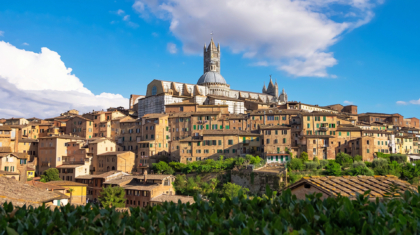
<point x="323" y="128"/>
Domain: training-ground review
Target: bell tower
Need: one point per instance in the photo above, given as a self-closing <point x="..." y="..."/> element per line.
<point x="212" y="57"/>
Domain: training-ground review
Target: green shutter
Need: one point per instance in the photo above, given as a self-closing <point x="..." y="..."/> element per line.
<point x="308" y="118"/>
<point x="325" y="118"/>
<point x="207" y="127"/>
<point x="221" y="127"/>
<point x="339" y="133"/>
<point x="194" y="127"/>
<point x="317" y="125"/>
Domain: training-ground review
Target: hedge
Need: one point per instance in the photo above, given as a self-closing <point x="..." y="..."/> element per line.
<point x="270" y="214"/>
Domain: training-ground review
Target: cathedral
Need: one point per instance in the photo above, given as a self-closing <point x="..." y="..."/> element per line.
<point x="210" y="89"/>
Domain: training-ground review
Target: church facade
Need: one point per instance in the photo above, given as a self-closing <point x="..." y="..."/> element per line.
<point x="211" y="89"/>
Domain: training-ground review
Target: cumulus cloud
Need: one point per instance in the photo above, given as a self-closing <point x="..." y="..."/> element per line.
<point x="415" y="101"/>
<point x="401" y="103"/>
<point x="25" y="44"/>
<point x="348" y="102"/>
<point x="293" y="35"/>
<point x="39" y="84"/>
<point x="120" y="12"/>
<point x="171" y="47"/>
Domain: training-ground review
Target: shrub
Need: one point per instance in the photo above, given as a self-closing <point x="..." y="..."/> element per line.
<point x="380" y="162"/>
<point x="296" y="164"/>
<point x="293" y="177"/>
<point x="368" y="164"/>
<point x="311" y="165"/>
<point x="177" y="166"/>
<point x="283" y="214"/>
<point x="359" y="168"/>
<point x="400" y="158"/>
<point x="231" y="190"/>
<point x="344" y="159"/>
<point x="304" y="156"/>
<point x="323" y="163"/>
<point x="357" y="158"/>
<point x="162" y="168"/>
<point x="50" y="175"/>
<point x="112" y="197"/>
<point x="333" y="169"/>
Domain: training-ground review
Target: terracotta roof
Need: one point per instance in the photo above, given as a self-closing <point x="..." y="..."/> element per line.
<point x="114" y="153"/>
<point x="5" y="149"/>
<point x="95" y="141"/>
<point x="181" y="104"/>
<point x="319" y="114"/>
<point x="318" y="136"/>
<point x="65" y="183"/>
<point x="350" y="186"/>
<point x="20" y="193"/>
<point x="70" y="166"/>
<point x="27" y="140"/>
<point x="205" y="113"/>
<point x="103" y="175"/>
<point x="173" y="198"/>
<point x="63" y="137"/>
<point x="274" y="127"/>
<point x="228" y="132"/>
<point x="154" y="115"/>
<point x="45" y="186"/>
<point x="5" y="128"/>
<point x="141" y="187"/>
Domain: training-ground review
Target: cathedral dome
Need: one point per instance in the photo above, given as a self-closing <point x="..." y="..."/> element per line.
<point x="211" y="77"/>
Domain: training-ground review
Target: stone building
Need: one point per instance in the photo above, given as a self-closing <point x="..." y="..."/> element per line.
<point x="211" y="88"/>
<point x="116" y="161"/>
<point x="95" y="183"/>
<point x="80" y="126"/>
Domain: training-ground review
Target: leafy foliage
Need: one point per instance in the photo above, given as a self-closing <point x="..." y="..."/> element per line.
<point x="323" y="163"/>
<point x="304" y="156"/>
<point x="359" y="168"/>
<point x="400" y="158"/>
<point x="50" y="175"/>
<point x="283" y="214"/>
<point x="344" y="159"/>
<point x="231" y="190"/>
<point x="333" y="169"/>
<point x="296" y="164"/>
<point x="112" y="197"/>
<point x="162" y="168"/>
<point x="311" y="165"/>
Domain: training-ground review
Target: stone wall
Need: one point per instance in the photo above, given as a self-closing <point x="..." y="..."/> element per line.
<point x="256" y="181"/>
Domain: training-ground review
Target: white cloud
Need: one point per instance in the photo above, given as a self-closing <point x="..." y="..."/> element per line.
<point x="415" y="101"/>
<point x="1" y="33"/>
<point x="293" y="35"/>
<point x="171" y="47"/>
<point x="126" y="17"/>
<point x="348" y="102"/>
<point x="25" y="44"/>
<point x="120" y="12"/>
<point x="401" y="103"/>
<point x="155" y="34"/>
<point x="39" y="84"/>
<point x="260" y="63"/>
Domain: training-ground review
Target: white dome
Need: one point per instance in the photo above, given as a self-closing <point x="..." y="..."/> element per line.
<point x="211" y="77"/>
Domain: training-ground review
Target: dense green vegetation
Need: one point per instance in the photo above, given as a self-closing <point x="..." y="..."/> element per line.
<point x="344" y="164"/>
<point x="206" y="166"/>
<point x="269" y="214"/>
<point x="112" y="196"/>
<point x="50" y="175"/>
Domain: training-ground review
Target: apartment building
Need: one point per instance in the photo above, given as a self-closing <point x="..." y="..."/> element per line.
<point x="412" y="122"/>
<point x="80" y="126"/>
<point x="140" y="191"/>
<point x="29" y="147"/>
<point x="102" y="122"/>
<point x="16" y="121"/>
<point x="52" y="149"/>
<point x="393" y="119"/>
<point x="275" y="139"/>
<point x="123" y="161"/>
<point x="98" y="146"/>
<point x="95" y="183"/>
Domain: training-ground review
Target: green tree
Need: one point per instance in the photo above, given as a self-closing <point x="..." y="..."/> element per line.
<point x="344" y="159"/>
<point x="357" y="158"/>
<point x="333" y="169"/>
<point x="112" y="196"/>
<point x="304" y="156"/>
<point x="162" y="168"/>
<point x="296" y="164"/>
<point x="50" y="175"/>
<point x="359" y="168"/>
<point x="231" y="190"/>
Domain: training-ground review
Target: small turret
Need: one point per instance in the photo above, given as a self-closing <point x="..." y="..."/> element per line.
<point x="264" y="90"/>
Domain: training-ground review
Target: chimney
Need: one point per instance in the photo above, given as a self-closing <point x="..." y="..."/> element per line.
<point x="145" y="176"/>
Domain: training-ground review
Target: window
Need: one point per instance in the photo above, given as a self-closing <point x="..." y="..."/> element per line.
<point x="220" y="142"/>
<point x="219" y="151"/>
<point x="339" y="133"/>
<point x="367" y="150"/>
<point x="230" y="142"/>
<point x="309" y="125"/>
<point x="284" y="140"/>
<point x="268" y="141"/>
<point x="226" y="151"/>
<point x="198" y="151"/>
<point x="154" y="90"/>
<point x="348" y="133"/>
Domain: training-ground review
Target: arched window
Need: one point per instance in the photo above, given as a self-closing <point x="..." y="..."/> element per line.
<point x="154" y="90"/>
<point x="113" y="168"/>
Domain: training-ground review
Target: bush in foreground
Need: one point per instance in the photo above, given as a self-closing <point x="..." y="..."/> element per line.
<point x="270" y="214"/>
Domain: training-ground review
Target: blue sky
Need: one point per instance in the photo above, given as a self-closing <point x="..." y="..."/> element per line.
<point x="361" y="52"/>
